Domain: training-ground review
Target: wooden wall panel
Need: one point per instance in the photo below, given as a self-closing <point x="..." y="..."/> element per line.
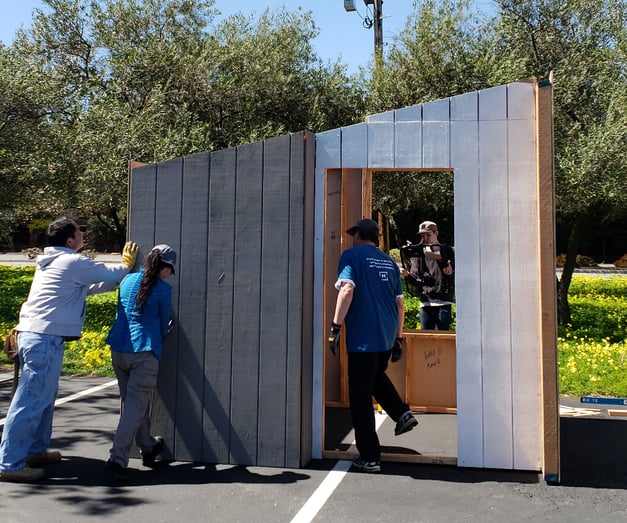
<point x="436" y="144"/>
<point x="524" y="263"/>
<point x="297" y="289"/>
<point x="436" y="111"/>
<point x="381" y="144"/>
<point x="218" y="437"/>
<point x="548" y="299"/>
<point x="190" y="334"/>
<point x="332" y="253"/>
<point x="168" y="211"/>
<point x="141" y="208"/>
<point x="141" y="219"/>
<point x="275" y="262"/>
<point x="355" y="146"/>
<point x="246" y="299"/>
<point x="328" y="152"/>
<point x="307" y="210"/>
<point x="407" y="144"/>
<point x="495" y="293"/>
<point x="465" y="160"/>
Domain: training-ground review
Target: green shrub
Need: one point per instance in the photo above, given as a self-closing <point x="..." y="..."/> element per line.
<point x="593" y="348"/>
<point x="90" y="354"/>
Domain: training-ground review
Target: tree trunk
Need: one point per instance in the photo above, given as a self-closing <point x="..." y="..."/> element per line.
<point x="563" y="309"/>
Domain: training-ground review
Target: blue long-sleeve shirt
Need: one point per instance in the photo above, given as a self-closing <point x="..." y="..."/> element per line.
<point x="141" y="331"/>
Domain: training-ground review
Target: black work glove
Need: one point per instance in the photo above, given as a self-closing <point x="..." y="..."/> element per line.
<point x="397" y="350"/>
<point x="334" y="337"/>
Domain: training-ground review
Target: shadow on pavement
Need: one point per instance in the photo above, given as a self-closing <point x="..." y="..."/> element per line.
<point x="85" y="472"/>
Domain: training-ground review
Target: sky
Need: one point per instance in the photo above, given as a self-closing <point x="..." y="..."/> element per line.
<point x="342" y="34"/>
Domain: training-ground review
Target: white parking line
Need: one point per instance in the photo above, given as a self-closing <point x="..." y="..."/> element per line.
<point x="329" y="484"/>
<point x="76" y="396"/>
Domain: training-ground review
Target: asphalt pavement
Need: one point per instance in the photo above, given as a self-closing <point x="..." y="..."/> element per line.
<point x="593" y="481"/>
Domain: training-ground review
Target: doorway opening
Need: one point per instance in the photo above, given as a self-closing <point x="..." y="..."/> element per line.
<point x="425" y="377"/>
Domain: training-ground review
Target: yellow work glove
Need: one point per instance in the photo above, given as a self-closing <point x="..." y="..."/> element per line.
<point x="129" y="254"/>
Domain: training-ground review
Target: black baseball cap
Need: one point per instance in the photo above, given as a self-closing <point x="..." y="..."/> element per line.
<point x="366" y="228"/>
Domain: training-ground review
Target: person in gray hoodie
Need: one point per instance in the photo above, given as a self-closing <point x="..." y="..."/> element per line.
<point x="53" y="313"/>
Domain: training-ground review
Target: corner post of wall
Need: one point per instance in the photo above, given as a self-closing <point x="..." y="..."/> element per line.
<point x="548" y="291"/>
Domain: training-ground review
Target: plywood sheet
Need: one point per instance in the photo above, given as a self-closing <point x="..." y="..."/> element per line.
<point x="465" y="161"/>
<point x="190" y="334"/>
<point x="246" y="300"/>
<point x="271" y="435"/>
<point x="524" y="263"/>
<point x="495" y="294"/>
<point x="168" y="207"/>
<point x="218" y="438"/>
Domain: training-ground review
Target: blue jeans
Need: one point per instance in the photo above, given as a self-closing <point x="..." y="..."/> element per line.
<point x="435" y="317"/>
<point x="28" y="426"/>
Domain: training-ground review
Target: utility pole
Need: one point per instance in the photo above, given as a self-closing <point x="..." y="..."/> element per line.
<point x="378" y="30"/>
<point x="377" y="9"/>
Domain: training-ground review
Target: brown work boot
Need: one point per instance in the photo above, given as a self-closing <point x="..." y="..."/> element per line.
<point x="45" y="458"/>
<point x="24" y="475"/>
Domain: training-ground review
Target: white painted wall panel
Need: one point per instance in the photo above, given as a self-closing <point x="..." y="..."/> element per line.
<point x="435" y="144"/>
<point x="436" y="111"/>
<point x="521" y="101"/>
<point x="524" y="263"/>
<point x="465" y="107"/>
<point x="355" y="145"/>
<point x="495" y="294"/>
<point x="493" y="103"/>
<point x="380" y="144"/>
<point x="408" y="144"/>
<point x="408" y="114"/>
<point x="388" y="116"/>
<point x="465" y="161"/>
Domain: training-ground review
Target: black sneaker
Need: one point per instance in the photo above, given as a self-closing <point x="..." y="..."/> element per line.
<point x="405" y="423"/>
<point x="117" y="472"/>
<point x="366" y="466"/>
<point x="148" y="458"/>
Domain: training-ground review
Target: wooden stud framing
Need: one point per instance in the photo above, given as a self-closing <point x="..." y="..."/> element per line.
<point x="548" y="297"/>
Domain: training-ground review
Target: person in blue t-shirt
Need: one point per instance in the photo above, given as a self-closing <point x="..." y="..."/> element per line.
<point x="136" y="337"/>
<point x="370" y="301"/>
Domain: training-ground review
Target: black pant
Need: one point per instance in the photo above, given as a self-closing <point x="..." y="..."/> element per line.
<point x="367" y="378"/>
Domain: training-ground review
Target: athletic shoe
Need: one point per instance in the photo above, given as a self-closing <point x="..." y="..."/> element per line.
<point x="366" y="466"/>
<point x="148" y="458"/>
<point x="24" y="475"/>
<point x="117" y="472"/>
<point x="45" y="458"/>
<point x="405" y="423"/>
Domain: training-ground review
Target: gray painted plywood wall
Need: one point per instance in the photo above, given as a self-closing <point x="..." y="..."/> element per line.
<point x="235" y="378"/>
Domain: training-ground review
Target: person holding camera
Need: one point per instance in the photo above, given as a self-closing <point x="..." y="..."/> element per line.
<point x="370" y="299"/>
<point x="432" y="273"/>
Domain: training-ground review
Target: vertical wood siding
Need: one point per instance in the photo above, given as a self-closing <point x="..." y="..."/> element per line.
<point x="232" y="386"/>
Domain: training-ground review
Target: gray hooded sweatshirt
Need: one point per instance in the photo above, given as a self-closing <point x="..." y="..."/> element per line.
<point x="63" y="279"/>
